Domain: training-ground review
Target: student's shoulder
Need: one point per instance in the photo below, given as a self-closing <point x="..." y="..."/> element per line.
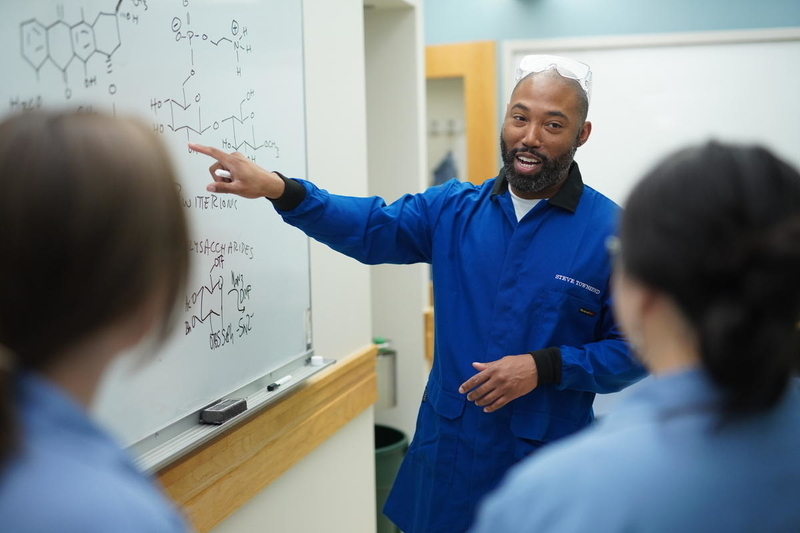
<point x="536" y="492"/>
<point x="582" y="464"/>
<point x="48" y="491"/>
<point x="570" y="459"/>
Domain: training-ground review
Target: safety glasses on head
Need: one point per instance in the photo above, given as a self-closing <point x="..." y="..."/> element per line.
<point x="568" y="68"/>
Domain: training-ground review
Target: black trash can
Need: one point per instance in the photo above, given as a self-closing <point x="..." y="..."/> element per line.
<point x="390" y="447"/>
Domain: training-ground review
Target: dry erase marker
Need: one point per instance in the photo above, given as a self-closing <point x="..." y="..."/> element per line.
<point x="278" y="383"/>
<point x="224" y="174"/>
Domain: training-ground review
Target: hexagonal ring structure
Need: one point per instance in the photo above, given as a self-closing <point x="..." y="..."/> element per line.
<point x="59" y="45"/>
<point x="83" y="41"/>
<point x="34" y="42"/>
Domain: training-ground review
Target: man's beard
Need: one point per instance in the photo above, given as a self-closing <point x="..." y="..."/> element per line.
<point x="551" y="172"/>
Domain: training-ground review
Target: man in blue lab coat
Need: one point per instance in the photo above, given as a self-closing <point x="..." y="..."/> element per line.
<point x="524" y="332"/>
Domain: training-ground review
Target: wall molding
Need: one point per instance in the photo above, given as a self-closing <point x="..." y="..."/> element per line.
<point x="213" y="481"/>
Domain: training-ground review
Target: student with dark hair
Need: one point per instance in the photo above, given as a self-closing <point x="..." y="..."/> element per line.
<point x="706" y="289"/>
<point x="94" y="259"/>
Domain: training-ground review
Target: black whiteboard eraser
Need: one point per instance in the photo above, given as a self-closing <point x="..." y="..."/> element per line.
<point x="223" y="410"/>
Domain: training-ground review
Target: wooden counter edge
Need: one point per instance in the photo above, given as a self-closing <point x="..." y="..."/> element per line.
<point x="210" y="483"/>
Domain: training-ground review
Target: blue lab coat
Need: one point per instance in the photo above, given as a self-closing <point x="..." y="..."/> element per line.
<point x="501" y="287"/>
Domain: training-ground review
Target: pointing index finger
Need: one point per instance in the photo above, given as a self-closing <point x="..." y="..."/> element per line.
<point x="210" y="151"/>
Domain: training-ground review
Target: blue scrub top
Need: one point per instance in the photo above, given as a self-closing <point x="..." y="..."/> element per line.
<point x="71" y="477"/>
<point x="660" y="463"/>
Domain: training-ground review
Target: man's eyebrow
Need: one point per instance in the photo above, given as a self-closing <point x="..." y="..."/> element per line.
<point x="553" y="113"/>
<point x="557" y="114"/>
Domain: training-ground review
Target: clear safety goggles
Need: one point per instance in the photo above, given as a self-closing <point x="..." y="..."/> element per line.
<point x="568" y="68"/>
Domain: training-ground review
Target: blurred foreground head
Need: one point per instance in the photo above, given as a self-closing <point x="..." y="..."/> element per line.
<point x="92" y="231"/>
<point x="716" y="228"/>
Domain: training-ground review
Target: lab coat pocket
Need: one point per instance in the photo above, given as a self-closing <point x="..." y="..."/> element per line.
<point x="534" y="429"/>
<point x="563" y="318"/>
<point x="437" y="431"/>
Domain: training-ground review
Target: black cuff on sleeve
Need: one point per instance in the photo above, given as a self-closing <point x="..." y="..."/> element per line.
<point x="548" y="365"/>
<point x="292" y="195"/>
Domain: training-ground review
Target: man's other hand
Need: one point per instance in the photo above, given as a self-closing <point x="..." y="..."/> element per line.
<point x="501" y="381"/>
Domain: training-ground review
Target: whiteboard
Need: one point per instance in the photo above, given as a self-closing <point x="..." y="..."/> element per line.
<point x="656" y="93"/>
<point x="226" y="74"/>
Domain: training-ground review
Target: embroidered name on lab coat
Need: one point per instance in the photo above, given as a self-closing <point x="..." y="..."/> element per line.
<point x="577" y="283"/>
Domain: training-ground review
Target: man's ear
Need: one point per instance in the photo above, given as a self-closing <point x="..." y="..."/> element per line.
<point x="583" y="135"/>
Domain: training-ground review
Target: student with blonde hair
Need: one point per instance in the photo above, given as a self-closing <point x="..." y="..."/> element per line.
<point x="94" y="258"/>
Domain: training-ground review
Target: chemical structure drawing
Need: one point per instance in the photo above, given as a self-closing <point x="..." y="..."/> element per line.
<point x="80" y="39"/>
<point x="60" y="43"/>
<point x="237" y="39"/>
<point x="206" y="307"/>
<point x="235" y="124"/>
<point x="204" y="303"/>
